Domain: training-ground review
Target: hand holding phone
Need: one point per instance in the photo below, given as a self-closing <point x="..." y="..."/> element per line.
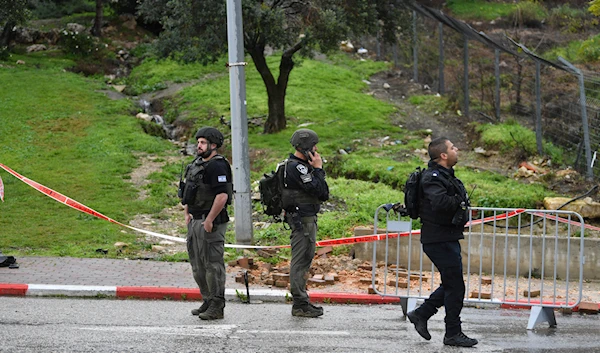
<point x="314" y="159"/>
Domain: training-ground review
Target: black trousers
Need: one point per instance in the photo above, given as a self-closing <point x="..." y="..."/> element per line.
<point x="447" y="259"/>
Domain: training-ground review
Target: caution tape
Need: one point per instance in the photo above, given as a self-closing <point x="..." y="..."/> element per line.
<point x="1" y="190"/>
<point x="564" y="220"/>
<point x="79" y="206"/>
<point x="328" y="242"/>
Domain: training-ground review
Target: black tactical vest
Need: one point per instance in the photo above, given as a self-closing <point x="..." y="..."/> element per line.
<point x="196" y="193"/>
<point x="294" y="197"/>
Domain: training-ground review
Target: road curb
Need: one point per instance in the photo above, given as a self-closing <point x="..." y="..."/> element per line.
<point x="171" y="293"/>
<point x="193" y="294"/>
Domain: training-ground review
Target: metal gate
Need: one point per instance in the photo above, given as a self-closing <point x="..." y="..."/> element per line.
<point x="511" y="257"/>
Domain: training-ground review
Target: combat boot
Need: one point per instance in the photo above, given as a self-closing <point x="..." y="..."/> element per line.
<point x="214" y="311"/>
<point x="460" y="340"/>
<point x="420" y="324"/>
<point x="201" y="309"/>
<point x="306" y="310"/>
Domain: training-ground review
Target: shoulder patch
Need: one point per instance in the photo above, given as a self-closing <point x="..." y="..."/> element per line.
<point x="306" y="178"/>
<point x="222" y="178"/>
<point x="302" y="169"/>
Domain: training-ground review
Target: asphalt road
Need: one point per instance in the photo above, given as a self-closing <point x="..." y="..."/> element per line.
<point x="92" y="325"/>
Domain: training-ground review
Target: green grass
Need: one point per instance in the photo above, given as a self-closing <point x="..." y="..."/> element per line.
<point x="510" y="136"/>
<point x="57" y="130"/>
<point x="479" y="9"/>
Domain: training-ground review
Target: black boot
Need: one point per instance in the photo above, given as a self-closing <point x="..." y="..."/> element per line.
<point x="214" y="311"/>
<point x="420" y="324"/>
<point x="201" y="309"/>
<point x="460" y="340"/>
<point x="306" y="310"/>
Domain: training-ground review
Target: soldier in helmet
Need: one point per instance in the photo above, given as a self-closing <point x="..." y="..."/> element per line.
<point x="206" y="193"/>
<point x="304" y="190"/>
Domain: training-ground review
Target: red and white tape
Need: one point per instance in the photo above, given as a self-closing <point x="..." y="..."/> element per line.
<point x="1" y="190"/>
<point x="328" y="242"/>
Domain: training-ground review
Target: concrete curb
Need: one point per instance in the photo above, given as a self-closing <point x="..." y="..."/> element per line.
<point x="170" y="293"/>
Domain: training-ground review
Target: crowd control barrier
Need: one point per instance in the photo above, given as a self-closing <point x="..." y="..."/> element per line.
<point x="511" y="257"/>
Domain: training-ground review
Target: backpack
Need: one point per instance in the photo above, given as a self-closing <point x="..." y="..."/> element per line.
<point x="270" y="187"/>
<point x="412" y="193"/>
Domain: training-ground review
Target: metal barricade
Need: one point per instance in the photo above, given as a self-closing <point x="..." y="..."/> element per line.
<point x="511" y="257"/>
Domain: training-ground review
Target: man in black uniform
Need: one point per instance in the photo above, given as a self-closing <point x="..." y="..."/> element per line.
<point x="304" y="188"/>
<point x="206" y="193"/>
<point x="444" y="212"/>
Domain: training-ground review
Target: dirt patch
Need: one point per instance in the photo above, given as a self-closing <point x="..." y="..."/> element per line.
<point x="170" y="221"/>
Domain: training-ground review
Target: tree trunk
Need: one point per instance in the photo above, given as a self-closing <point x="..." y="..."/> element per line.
<point x="6" y="35"/>
<point x="97" y="29"/>
<point x="276" y="91"/>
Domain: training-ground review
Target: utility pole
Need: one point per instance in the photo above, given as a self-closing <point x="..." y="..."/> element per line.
<point x="242" y="205"/>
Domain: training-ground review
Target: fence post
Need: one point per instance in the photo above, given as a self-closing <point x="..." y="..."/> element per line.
<point x="584" y="119"/>
<point x="497" y="72"/>
<point x="395" y="54"/>
<point x="538" y="109"/>
<point x="415" y="54"/>
<point x="441" y="64"/>
<point x="378" y="44"/>
<point x="466" y="74"/>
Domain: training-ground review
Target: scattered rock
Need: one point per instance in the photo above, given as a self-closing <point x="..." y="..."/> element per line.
<point x="346" y="46"/>
<point x="586" y="207"/>
<point x="159" y="249"/>
<point x="75" y="27"/>
<point x="36" y="47"/>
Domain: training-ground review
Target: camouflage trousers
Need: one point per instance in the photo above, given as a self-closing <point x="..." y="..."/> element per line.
<point x="205" y="251"/>
<point x="303" y="251"/>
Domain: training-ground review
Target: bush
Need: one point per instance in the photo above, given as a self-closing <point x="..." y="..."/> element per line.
<point x="82" y="45"/>
<point x="589" y="50"/>
<point x="528" y="13"/>
<point x="55" y="9"/>
<point x="570" y="19"/>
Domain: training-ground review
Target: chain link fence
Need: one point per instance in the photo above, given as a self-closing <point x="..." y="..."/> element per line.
<point x="492" y="77"/>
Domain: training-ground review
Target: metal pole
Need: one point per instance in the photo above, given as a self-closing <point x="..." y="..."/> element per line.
<point x="497" y="72"/>
<point x="466" y="75"/>
<point x="584" y="119"/>
<point x="441" y="64"/>
<point x="538" y="109"/>
<point x="242" y="205"/>
<point x="415" y="54"/>
<point x="378" y="44"/>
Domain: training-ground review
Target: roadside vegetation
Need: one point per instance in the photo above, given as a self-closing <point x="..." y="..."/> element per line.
<point x="60" y="130"/>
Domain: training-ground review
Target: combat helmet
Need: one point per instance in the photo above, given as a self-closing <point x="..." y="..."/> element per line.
<point x="211" y="134"/>
<point x="304" y="139"/>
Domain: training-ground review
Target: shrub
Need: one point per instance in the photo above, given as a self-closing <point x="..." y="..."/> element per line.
<point x="589" y="51"/>
<point x="569" y="19"/>
<point x="528" y="13"/>
<point x="81" y="44"/>
<point x="42" y="9"/>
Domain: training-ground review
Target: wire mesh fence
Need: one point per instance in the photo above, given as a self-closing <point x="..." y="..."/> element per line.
<point x="492" y="77"/>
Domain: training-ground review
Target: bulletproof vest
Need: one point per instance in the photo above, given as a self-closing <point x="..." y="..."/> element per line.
<point x="294" y="197"/>
<point x="197" y="194"/>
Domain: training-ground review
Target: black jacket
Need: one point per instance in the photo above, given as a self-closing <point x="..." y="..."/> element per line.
<point x="440" y="200"/>
<point x="308" y="183"/>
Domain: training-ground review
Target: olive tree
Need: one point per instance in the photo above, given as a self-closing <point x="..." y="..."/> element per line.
<point x="12" y="13"/>
<point x="197" y="31"/>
